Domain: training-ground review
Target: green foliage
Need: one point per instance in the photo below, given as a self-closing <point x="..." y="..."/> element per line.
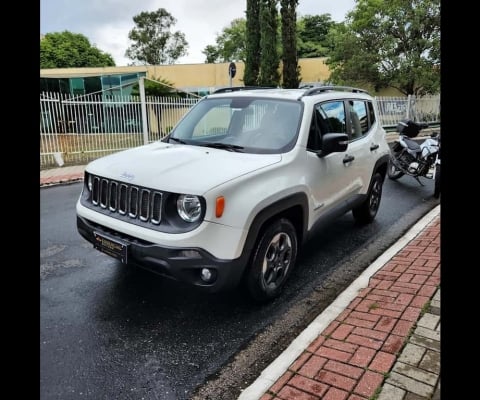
<point x="252" y="43"/>
<point x="230" y="44"/>
<point x="160" y="88"/>
<point x="71" y="50"/>
<point x="153" y="41"/>
<point x="269" y="58"/>
<point x="393" y="43"/>
<point x="290" y="74"/>
<point x="313" y="35"/>
<point x="212" y="54"/>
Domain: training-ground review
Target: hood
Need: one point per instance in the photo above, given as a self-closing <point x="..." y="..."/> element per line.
<point x="179" y="168"/>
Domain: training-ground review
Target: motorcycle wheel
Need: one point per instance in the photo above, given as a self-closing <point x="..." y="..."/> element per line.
<point x="393" y="172"/>
<point x="436" y="192"/>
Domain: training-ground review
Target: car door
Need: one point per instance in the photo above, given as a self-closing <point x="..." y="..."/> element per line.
<point x="330" y="177"/>
<point x="362" y="145"/>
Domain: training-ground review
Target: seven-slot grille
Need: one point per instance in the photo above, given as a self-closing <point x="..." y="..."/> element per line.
<point x="134" y="201"/>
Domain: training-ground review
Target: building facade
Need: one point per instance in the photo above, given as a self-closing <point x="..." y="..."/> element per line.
<point x="192" y="78"/>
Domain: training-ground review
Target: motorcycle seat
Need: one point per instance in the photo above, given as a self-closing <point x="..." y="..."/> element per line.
<point x="412" y="145"/>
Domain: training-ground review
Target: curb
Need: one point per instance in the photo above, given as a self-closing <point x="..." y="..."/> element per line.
<point x="60" y="181"/>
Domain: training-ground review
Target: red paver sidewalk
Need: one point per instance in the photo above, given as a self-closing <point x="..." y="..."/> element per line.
<point x="349" y="359"/>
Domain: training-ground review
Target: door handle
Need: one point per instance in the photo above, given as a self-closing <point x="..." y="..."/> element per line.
<point x="348" y="159"/>
<point x="374" y="147"/>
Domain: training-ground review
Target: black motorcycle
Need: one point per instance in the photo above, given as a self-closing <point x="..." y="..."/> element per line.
<point x="413" y="159"/>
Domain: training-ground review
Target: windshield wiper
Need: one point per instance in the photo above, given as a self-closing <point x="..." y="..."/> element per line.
<point x="225" y="146"/>
<point x="177" y="140"/>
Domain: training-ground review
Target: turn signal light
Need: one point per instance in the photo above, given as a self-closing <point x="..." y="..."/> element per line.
<point x="219" y="206"/>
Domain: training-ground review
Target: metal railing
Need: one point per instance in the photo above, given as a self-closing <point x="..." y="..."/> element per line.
<point x="75" y="130"/>
<point x="420" y="109"/>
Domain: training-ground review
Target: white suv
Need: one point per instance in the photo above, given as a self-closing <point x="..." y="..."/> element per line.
<point x="239" y="183"/>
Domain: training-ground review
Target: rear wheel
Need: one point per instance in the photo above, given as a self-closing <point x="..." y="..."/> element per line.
<point x="393" y="172"/>
<point x="274" y="256"/>
<point x="366" y="212"/>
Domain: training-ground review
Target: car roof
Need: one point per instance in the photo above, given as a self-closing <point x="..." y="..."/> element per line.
<point x="327" y="92"/>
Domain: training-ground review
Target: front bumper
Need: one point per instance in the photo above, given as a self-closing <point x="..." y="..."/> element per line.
<point x="182" y="264"/>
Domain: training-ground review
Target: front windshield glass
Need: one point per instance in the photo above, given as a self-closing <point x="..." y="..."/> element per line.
<point x="245" y="124"/>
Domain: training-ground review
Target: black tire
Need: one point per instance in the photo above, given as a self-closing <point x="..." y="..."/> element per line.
<point x="273" y="258"/>
<point x="366" y="212"/>
<point x="393" y="172"/>
<point x="436" y="192"/>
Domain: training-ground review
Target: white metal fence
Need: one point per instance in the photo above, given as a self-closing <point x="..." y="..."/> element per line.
<point x="420" y="109"/>
<point x="75" y="130"/>
<point x="79" y="129"/>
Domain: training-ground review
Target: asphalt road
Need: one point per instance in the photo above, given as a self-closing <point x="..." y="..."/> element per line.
<point x="112" y="332"/>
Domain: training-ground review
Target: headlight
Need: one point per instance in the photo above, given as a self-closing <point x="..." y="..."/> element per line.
<point x="189" y="207"/>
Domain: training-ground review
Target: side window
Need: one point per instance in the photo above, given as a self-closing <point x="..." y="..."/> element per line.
<point x="333" y="116"/>
<point x="327" y="117"/>
<point x="371" y="113"/>
<point x="358" y="118"/>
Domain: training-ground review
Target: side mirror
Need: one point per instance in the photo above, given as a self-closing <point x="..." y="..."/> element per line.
<point x="333" y="143"/>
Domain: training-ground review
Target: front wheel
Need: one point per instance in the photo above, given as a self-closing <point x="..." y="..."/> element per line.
<point x="273" y="258"/>
<point x="393" y="172"/>
<point x="366" y="212"/>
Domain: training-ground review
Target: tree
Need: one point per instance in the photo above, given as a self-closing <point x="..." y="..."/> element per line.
<point x="269" y="58"/>
<point x="312" y="39"/>
<point x="153" y="41"/>
<point x="71" y="50"/>
<point x="230" y="44"/>
<point x="252" y="43"/>
<point x="291" y="76"/>
<point x="156" y="87"/>
<point x="393" y="43"/>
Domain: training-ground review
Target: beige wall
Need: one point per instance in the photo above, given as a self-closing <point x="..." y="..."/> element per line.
<point x="216" y="75"/>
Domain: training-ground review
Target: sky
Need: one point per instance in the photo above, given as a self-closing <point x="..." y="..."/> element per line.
<point x="106" y="23"/>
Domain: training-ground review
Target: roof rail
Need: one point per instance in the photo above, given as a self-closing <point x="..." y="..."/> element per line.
<point x="237" y="88"/>
<point x="311" y="90"/>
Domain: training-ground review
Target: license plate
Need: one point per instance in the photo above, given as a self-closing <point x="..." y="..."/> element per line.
<point x="113" y="247"/>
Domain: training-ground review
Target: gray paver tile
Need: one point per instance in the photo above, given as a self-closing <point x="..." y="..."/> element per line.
<point x="412" y="354"/>
<point x="425" y="342"/>
<point x="410" y="384"/>
<point x="429" y="321"/>
<point x="390" y="392"/>
<point x="428" y="333"/>
<point x="431" y="361"/>
<point x="416" y="373"/>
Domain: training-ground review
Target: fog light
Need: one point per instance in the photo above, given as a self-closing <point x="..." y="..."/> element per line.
<point x="207" y="275"/>
<point x="189" y="254"/>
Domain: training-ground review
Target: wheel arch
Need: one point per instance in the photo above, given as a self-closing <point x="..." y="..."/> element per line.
<point x="381" y="166"/>
<point x="293" y="207"/>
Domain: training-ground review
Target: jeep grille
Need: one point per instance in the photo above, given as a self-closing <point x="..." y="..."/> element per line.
<point x="134" y="201"/>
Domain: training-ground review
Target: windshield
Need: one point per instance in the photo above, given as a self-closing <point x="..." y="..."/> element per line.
<point x="242" y="124"/>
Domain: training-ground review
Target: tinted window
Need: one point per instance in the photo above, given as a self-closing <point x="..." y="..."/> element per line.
<point x="371" y="113"/>
<point x="332" y="117"/>
<point x="358" y="118"/>
<point x="327" y="118"/>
